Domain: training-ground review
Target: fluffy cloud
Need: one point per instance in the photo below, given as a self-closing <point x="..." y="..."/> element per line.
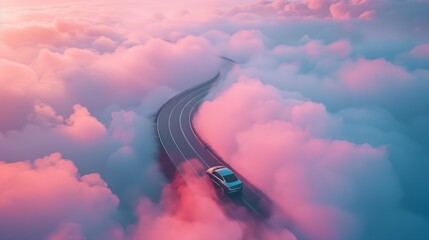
<point x="188" y="215"/>
<point x="285" y="144"/>
<point x="366" y="76"/>
<point x="48" y="195"/>
<point x="82" y="127"/>
<point x="196" y="216"/>
<point x="342" y="80"/>
<point x="245" y="43"/>
<point x="52" y="132"/>
<point x="14" y="97"/>
<point x="90" y="91"/>
<point x="62" y="80"/>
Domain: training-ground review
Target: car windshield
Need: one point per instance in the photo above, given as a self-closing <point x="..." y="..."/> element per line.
<point x="230" y="178"/>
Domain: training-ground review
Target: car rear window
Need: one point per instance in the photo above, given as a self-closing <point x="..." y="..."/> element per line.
<point x="218" y="175"/>
<point x="230" y="178"/>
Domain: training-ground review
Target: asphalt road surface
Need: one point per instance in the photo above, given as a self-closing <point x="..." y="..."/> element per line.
<point x="181" y="143"/>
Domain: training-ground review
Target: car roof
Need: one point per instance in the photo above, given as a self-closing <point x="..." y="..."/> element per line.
<point x="223" y="171"/>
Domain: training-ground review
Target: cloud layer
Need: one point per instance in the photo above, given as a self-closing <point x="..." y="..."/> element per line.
<point x="47" y="196"/>
<point x="326" y="112"/>
<point x="285" y="145"/>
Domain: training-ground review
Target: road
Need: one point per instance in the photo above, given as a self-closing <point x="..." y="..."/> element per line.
<point x="181" y="143"/>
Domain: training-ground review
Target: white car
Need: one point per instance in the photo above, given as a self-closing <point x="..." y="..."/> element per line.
<point x="223" y="177"/>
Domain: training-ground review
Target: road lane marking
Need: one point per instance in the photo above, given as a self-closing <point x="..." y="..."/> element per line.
<point x="183" y="132"/>
<point x="174" y="141"/>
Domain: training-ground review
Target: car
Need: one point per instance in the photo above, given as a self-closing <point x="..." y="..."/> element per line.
<point x="222" y="177"/>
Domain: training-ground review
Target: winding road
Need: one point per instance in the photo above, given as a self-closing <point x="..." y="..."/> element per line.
<point x="181" y="143"/>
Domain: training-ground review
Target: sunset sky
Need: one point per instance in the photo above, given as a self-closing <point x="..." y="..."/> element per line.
<point x="326" y="112"/>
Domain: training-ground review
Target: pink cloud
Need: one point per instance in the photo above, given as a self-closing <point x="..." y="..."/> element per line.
<point x="367" y="14"/>
<point x="329" y="9"/>
<point x="38" y="197"/>
<point x="85" y="80"/>
<point x="186" y="214"/>
<point x="361" y="9"/>
<point x="83" y="127"/>
<point x="80" y="126"/>
<point x="16" y="83"/>
<point x="420" y="51"/>
<point x="62" y="74"/>
<point x="245" y="43"/>
<point x="341" y="48"/>
<point x="314" y="50"/>
<point x="176" y="57"/>
<point x="315" y="4"/>
<point x="69" y="25"/>
<point x="372" y="75"/>
<point x="79" y="136"/>
<point x="278" y="143"/>
<point x="45" y="115"/>
<point x="339" y="10"/>
<point x="49" y="29"/>
<point x="104" y="44"/>
<point x="228" y="145"/>
<point x="67" y="231"/>
<point x="25" y="36"/>
<point x="192" y="210"/>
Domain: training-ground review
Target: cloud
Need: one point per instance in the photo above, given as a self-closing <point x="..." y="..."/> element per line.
<point x="104" y="44"/>
<point x="67" y="231"/>
<point x="186" y="214"/>
<point x="14" y="97"/>
<point x="245" y="43"/>
<point x="48" y="195"/>
<point x="196" y="216"/>
<point x="338" y="10"/>
<point x="420" y="51"/>
<point x="331" y="93"/>
<point x="366" y="76"/>
<point x="287" y="146"/>
<point x="56" y="133"/>
<point x="81" y="126"/>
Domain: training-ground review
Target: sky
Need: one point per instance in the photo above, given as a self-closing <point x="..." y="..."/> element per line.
<point x="326" y="111"/>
